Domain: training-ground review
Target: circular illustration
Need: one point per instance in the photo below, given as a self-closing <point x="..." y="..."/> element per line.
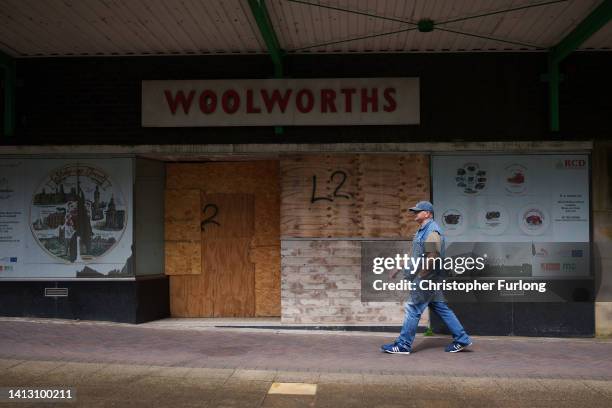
<point x="471" y="179"/>
<point x="493" y="220"/>
<point x="453" y="221"/>
<point x="515" y="178"/>
<point x="533" y="220"/>
<point x="77" y="213"/>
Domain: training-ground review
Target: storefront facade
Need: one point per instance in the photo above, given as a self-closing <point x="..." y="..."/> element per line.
<point x="137" y="188"/>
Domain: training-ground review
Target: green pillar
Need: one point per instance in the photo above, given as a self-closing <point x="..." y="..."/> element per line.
<point x="262" y="18"/>
<point x="599" y="17"/>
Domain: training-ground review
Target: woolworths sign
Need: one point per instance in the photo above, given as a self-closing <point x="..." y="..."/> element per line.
<point x="272" y="102"/>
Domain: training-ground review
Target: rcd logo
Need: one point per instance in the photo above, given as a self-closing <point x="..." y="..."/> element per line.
<point x="573" y="164"/>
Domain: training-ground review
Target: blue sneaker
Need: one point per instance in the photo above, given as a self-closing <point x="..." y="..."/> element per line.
<point x="394" y="348"/>
<point x="455" y="347"/>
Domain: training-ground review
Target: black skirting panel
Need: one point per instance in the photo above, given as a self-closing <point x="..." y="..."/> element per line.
<point x="568" y="319"/>
<point x="117" y="301"/>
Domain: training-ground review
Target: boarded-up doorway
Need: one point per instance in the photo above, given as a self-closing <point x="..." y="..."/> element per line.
<point x="222" y="239"/>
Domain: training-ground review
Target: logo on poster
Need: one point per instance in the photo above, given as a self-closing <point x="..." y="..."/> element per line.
<point x="569" y="267"/>
<point x="551" y="267"/>
<point x="78" y="214"/>
<point x="471" y="179"/>
<point x="571" y="164"/>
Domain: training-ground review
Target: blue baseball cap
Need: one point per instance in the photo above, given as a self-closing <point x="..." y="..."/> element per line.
<point x="422" y="206"/>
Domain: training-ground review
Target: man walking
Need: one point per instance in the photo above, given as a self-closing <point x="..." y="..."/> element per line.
<point x="428" y="242"/>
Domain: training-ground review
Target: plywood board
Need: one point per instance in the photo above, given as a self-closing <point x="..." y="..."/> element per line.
<point x="227" y="216"/>
<point x="267" y="280"/>
<point x="379" y="179"/>
<point x="365" y="195"/>
<point x="183" y="258"/>
<point x="182" y="215"/>
<point x="247" y="200"/>
<point x="178" y="296"/>
<point x="182" y="204"/>
<point x="319" y="196"/>
<point x="343" y="215"/>
<point x="414" y="187"/>
<point x="232" y="276"/>
<point x="182" y="231"/>
<point x="305" y="196"/>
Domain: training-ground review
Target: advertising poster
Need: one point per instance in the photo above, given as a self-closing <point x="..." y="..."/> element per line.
<point x="528" y="213"/>
<point x="65" y="218"/>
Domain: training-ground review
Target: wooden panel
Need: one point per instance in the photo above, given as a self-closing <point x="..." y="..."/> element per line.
<point x="225" y="247"/>
<point x="232" y="276"/>
<point x="183" y="258"/>
<point x="223" y="177"/>
<point x="182" y="205"/>
<point x="364" y="195"/>
<point x="227" y="216"/>
<point x="198" y="293"/>
<point x="178" y="297"/>
<point x="299" y="215"/>
<point x="267" y="280"/>
<point x="379" y="195"/>
<point x="182" y="215"/>
<point x="189" y="296"/>
<point x="247" y="196"/>
<point x="414" y="187"/>
<point x="182" y="231"/>
<point x="343" y="211"/>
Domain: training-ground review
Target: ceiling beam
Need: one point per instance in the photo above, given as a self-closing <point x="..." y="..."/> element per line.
<point x="583" y="31"/>
<point x="262" y="18"/>
<point x="7" y="66"/>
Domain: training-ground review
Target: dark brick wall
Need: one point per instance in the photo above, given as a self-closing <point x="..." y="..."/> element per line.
<point x="489" y="96"/>
<point x="117" y="301"/>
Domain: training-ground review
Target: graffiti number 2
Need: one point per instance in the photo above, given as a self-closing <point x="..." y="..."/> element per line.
<point x="343" y="177"/>
<point x="210" y="219"/>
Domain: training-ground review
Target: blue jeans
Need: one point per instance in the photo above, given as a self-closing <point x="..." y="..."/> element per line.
<point x="413" y="315"/>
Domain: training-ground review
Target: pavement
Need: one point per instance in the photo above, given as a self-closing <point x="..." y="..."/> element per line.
<point x="111" y="364"/>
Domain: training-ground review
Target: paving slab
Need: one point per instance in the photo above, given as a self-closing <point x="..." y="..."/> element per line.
<point x="172" y="368"/>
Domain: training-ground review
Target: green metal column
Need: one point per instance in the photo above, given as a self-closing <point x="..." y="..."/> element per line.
<point x="262" y="18"/>
<point x="583" y="31"/>
<point x="7" y="65"/>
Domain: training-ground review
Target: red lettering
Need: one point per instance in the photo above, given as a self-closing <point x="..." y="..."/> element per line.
<point x="230" y="95"/>
<point x="575" y="163"/>
<point x="299" y="100"/>
<point x="208" y="101"/>
<point x="372" y="100"/>
<point x="348" y="98"/>
<point x="250" y="106"/>
<point x="276" y="98"/>
<point x="389" y="95"/>
<point x="328" y="100"/>
<point x="179" y="99"/>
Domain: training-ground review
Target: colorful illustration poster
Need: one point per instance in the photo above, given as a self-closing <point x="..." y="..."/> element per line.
<point x="72" y="218"/>
<point x="521" y="209"/>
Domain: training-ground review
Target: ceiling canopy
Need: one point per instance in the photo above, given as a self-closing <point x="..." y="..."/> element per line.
<point x="52" y="28"/>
